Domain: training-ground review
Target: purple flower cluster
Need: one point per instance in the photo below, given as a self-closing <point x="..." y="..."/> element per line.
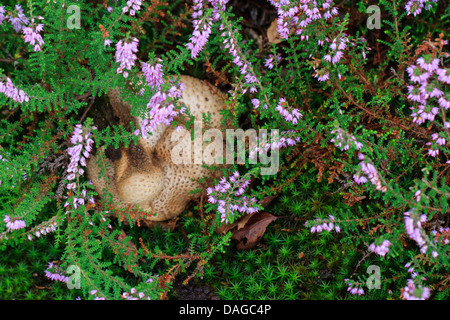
<point x="202" y="29"/>
<point x="343" y="140"/>
<point x="337" y="46"/>
<point x="292" y="116"/>
<point x="17" y="20"/>
<point x="429" y="92"/>
<point x="9" y="90"/>
<point x="202" y="23"/>
<point x="134" y="295"/>
<point x="47" y="227"/>
<point x="381" y="249"/>
<point x="299" y="14"/>
<point x="444" y="233"/>
<point x="161" y="109"/>
<point x="224" y="194"/>
<point x="415" y="6"/>
<point x="15" y="224"/>
<point x="271" y="59"/>
<point x="320" y="225"/>
<point x="287" y="138"/>
<point x="53" y="272"/>
<point x="81" y="200"/>
<point x="413" y="292"/>
<point x="125" y="54"/>
<point x="79" y="152"/>
<point x="97" y="297"/>
<point x="354" y="287"/>
<point x="413" y="225"/>
<point x="238" y="59"/>
<point x="2" y="14"/>
<point x="370" y="174"/>
<point x="132" y="6"/>
<point x="153" y="74"/>
<point x="412" y="272"/>
<point x="31" y="34"/>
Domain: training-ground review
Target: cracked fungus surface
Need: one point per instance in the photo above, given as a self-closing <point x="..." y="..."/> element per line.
<point x="145" y="174"/>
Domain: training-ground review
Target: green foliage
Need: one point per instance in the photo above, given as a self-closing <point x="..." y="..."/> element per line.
<point x="364" y="97"/>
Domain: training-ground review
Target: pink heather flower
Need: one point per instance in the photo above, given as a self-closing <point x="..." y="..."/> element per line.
<point x="416" y="95"/>
<point x="443" y="75"/>
<point x="255" y="103"/>
<point x="202" y="26"/>
<point x="343" y="140"/>
<point x="337" y="57"/>
<point x="292" y="116"/>
<point x="131" y="7"/>
<point x="415" y="6"/>
<point x="444" y="102"/>
<point x="413" y="226"/>
<point x="32" y="36"/>
<point x="153" y="74"/>
<point x="435" y="92"/>
<point x="161" y="108"/>
<point x="9" y="90"/>
<point x="53" y="272"/>
<point x="359" y="179"/>
<point x="82" y="144"/>
<point x="18" y="19"/>
<point x="417" y="195"/>
<point x="324" y="77"/>
<point x="320" y="225"/>
<point x="371" y="174"/>
<point x="107" y="42"/>
<point x="433" y="152"/>
<point x="230" y="43"/>
<point x="2" y="16"/>
<point x="224" y="194"/>
<point x="381" y="249"/>
<point x="268" y="63"/>
<point x="125" y="55"/>
<point x="446" y="125"/>
<point x="13" y="225"/>
<point x="428" y="63"/>
<point x="411" y="292"/>
<point x="417" y="74"/>
<point x="439" y="140"/>
<point x="353" y="288"/>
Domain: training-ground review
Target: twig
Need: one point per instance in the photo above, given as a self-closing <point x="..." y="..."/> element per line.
<point x="87" y="109"/>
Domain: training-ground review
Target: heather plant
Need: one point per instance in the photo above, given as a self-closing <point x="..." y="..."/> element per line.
<point x="361" y="194"/>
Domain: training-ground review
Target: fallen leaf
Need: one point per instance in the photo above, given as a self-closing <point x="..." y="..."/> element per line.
<point x="249" y="235"/>
<point x="266" y="200"/>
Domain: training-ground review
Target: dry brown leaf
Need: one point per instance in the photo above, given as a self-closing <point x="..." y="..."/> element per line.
<point x="252" y="232"/>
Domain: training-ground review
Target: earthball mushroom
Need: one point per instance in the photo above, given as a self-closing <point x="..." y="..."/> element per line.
<point x="147" y="174"/>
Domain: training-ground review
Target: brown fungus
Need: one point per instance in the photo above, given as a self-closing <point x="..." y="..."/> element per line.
<point x="145" y="174"/>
